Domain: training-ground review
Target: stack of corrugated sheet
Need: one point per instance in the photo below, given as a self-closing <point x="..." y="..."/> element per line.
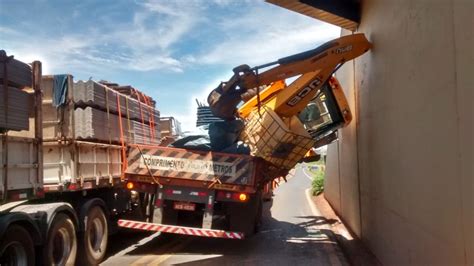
<point x="92" y="100"/>
<point x="142" y="134"/>
<point x="19" y="74"/>
<point x="94" y="124"/>
<point x="91" y="93"/>
<point x="130" y="91"/>
<point x="14" y="103"/>
<point x="14" y="109"/>
<point x="205" y="116"/>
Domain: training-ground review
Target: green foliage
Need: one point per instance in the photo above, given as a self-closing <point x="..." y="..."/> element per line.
<point x="317" y="185"/>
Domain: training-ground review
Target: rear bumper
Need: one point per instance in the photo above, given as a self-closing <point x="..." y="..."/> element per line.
<point x="182" y="230"/>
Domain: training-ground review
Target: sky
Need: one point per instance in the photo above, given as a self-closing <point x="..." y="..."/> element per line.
<point x="175" y="51"/>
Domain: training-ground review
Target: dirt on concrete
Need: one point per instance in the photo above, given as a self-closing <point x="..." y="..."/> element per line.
<point x="353" y="248"/>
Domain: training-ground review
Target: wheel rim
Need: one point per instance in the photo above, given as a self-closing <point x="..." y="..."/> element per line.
<point x="61" y="246"/>
<point x="14" y="254"/>
<point x="97" y="237"/>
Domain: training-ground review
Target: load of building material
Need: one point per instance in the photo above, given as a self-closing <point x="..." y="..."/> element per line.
<point x="17" y="73"/>
<point x="170" y="127"/>
<point x="14" y="102"/>
<point x="91" y="113"/>
<point x="94" y="124"/>
<point x="98" y="109"/>
<point x="205" y="116"/>
<point x="91" y="93"/>
<point x="14" y="109"/>
<point x="217" y="136"/>
<point x="130" y="92"/>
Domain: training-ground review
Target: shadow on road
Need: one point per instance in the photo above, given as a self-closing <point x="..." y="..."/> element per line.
<point x="279" y="243"/>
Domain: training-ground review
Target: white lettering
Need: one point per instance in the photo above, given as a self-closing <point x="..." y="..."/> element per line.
<point x="187" y="165"/>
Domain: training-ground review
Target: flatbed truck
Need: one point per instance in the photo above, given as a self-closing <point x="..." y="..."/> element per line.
<point x="59" y="198"/>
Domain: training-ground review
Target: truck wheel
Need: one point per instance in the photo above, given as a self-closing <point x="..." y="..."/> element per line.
<point x="61" y="245"/>
<point x="17" y="247"/>
<point x="95" y="237"/>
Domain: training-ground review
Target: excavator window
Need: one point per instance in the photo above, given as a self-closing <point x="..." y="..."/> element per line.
<point x="322" y="116"/>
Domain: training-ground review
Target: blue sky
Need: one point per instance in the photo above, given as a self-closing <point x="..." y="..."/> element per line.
<point x="175" y="51"/>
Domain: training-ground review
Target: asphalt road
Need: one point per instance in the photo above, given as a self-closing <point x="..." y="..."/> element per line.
<point x="293" y="233"/>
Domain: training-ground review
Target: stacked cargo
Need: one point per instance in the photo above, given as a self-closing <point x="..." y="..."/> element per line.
<point x="87" y="128"/>
<point x="97" y="111"/>
<point x="91" y="112"/>
<point x="170" y="127"/>
<point x="14" y="102"/>
<point x="130" y="92"/>
<point x="205" y="115"/>
<point x="20" y="168"/>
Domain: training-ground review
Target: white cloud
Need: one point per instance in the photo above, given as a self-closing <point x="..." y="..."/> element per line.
<point x="261" y="33"/>
<point x="143" y="45"/>
<point x="267" y="36"/>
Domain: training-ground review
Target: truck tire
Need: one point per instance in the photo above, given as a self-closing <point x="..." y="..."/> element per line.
<point x="17" y="247"/>
<point x="61" y="244"/>
<point x="94" y="240"/>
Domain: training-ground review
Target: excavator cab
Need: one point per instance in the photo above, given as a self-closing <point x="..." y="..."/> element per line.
<point x="326" y="112"/>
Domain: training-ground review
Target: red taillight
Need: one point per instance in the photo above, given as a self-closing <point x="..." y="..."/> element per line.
<point x="40" y="193"/>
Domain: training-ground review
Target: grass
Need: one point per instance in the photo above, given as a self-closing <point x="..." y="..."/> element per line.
<point x="317" y="184"/>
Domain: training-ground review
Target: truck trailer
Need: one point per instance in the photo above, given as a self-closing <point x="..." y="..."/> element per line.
<point x="61" y="196"/>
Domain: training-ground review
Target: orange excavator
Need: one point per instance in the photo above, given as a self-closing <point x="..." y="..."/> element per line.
<point x="315" y="96"/>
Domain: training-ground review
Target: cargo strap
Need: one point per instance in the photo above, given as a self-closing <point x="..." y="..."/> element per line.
<point x="128" y="121"/>
<point x="141" y="112"/>
<point x="151" y="117"/>
<point x="108" y="113"/>
<point x="122" y="141"/>
<point x="259" y="103"/>
<point x="147" y="167"/>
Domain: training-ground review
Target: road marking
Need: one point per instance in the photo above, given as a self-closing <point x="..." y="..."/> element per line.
<point x="145" y="259"/>
<point x="169" y="249"/>
<point x="306" y="174"/>
<point x="312" y="206"/>
<point x="174" y="249"/>
<point x="132" y="247"/>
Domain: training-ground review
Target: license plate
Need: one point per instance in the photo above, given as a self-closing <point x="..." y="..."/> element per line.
<point x="184" y="206"/>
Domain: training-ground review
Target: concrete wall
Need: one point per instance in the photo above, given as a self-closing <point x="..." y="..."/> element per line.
<point x="401" y="174"/>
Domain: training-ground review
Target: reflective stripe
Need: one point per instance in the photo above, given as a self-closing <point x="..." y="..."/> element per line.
<point x="172" y="229"/>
